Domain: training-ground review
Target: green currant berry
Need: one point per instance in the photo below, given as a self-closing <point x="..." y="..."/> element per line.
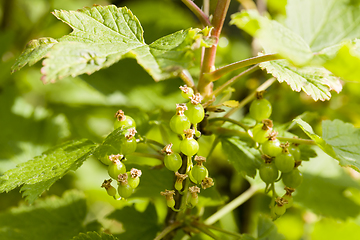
<point x="194" y="201"/>
<point x="128" y="146"/>
<point x="186" y="92"/>
<point x="111" y="191"/>
<point x="292" y="179"/>
<point x="279" y="210"/>
<point x="179" y="123"/>
<point x="170" y="203"/>
<point x="198" y="172"/>
<point x="105" y="160"/>
<point x="195" y="113"/>
<point x="134" y="182"/>
<point x="271" y="147"/>
<point x="289" y="200"/>
<point x="189" y="146"/>
<point x="178" y="185"/>
<point x="116" y="168"/>
<point x="295" y="151"/>
<point x="173" y="161"/>
<point x="284" y="162"/>
<point x="125" y="190"/>
<point x="268" y="172"/>
<point x="260" y="109"/>
<point x="123" y="120"/>
<point x="259" y="134"/>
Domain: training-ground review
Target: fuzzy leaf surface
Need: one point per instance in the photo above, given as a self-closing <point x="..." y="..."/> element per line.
<point x="274" y="37"/>
<point x="323" y="23"/>
<point x="317" y="82"/>
<point x="245" y="159"/>
<point x="50" y="218"/>
<point x="339" y="140"/>
<point x="39" y="174"/>
<point x="94" y="236"/>
<point x="102" y="36"/>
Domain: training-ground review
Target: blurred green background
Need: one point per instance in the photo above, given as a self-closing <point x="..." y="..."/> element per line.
<point x="35" y="116"/>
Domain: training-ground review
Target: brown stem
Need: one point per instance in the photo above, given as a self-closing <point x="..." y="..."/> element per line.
<point x="205" y="87"/>
<point x="198" y="12"/>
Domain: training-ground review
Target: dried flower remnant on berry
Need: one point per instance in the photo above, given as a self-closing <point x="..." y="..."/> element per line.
<point x="116" y="158"/>
<point x="189" y="133"/>
<point x="130" y="133"/>
<point x="135" y="173"/>
<point x="267" y="124"/>
<point x="281" y="201"/>
<point x="196" y="99"/>
<point x="180" y="109"/>
<point x="169" y="194"/>
<point x="123" y="179"/>
<point x="185" y="89"/>
<point x="180" y="177"/>
<point x="106" y="184"/>
<point x="289" y="190"/>
<point x="194" y="190"/>
<point x="200" y="160"/>
<point x="120" y="115"/>
<point x="207" y="182"/>
<point x="167" y="149"/>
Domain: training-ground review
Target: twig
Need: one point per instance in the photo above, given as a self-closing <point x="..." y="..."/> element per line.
<point x="198" y="12"/>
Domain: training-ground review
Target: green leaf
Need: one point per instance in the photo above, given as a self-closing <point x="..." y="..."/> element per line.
<point x="245" y="159"/>
<point x="346" y="62"/>
<point x="102" y="36"/>
<point x="274" y="37"/>
<point x="51" y="218"/>
<point x="137" y="225"/>
<point x="34" y="51"/>
<point x="153" y="181"/>
<point x="326" y="196"/>
<point x="307" y="152"/>
<point x="317" y="82"/>
<point x="340" y="140"/>
<point x="323" y="23"/>
<point x="267" y="229"/>
<point x="328" y="228"/>
<point x="94" y="236"/>
<point x="39" y="174"/>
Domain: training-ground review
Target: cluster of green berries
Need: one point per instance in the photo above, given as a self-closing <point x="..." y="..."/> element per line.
<point x="184" y="123"/>
<point x="127" y="181"/>
<point x="278" y="157"/>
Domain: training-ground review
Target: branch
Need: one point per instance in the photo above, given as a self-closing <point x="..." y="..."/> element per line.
<point x="232" y="205"/>
<point x="233" y="80"/>
<point x="198" y="12"/>
<point x="218" y="73"/>
<point x="204" y="86"/>
<point x="168" y="229"/>
<point x="229" y="120"/>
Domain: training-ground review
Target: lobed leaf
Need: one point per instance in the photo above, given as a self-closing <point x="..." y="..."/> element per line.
<point x="274" y="37"/>
<point x="51" y="218"/>
<point x="39" y="174"/>
<point x="340" y="140"/>
<point x="244" y="159"/>
<point x="317" y="82"/>
<point x="323" y="23"/>
<point x="102" y="36"/>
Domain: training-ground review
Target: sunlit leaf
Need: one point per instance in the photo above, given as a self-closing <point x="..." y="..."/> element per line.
<point x="102" y="36"/>
<point x="41" y="172"/>
<point x="339" y="140"/>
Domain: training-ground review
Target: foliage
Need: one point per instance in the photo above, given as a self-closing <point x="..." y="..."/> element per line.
<point x="65" y="125"/>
